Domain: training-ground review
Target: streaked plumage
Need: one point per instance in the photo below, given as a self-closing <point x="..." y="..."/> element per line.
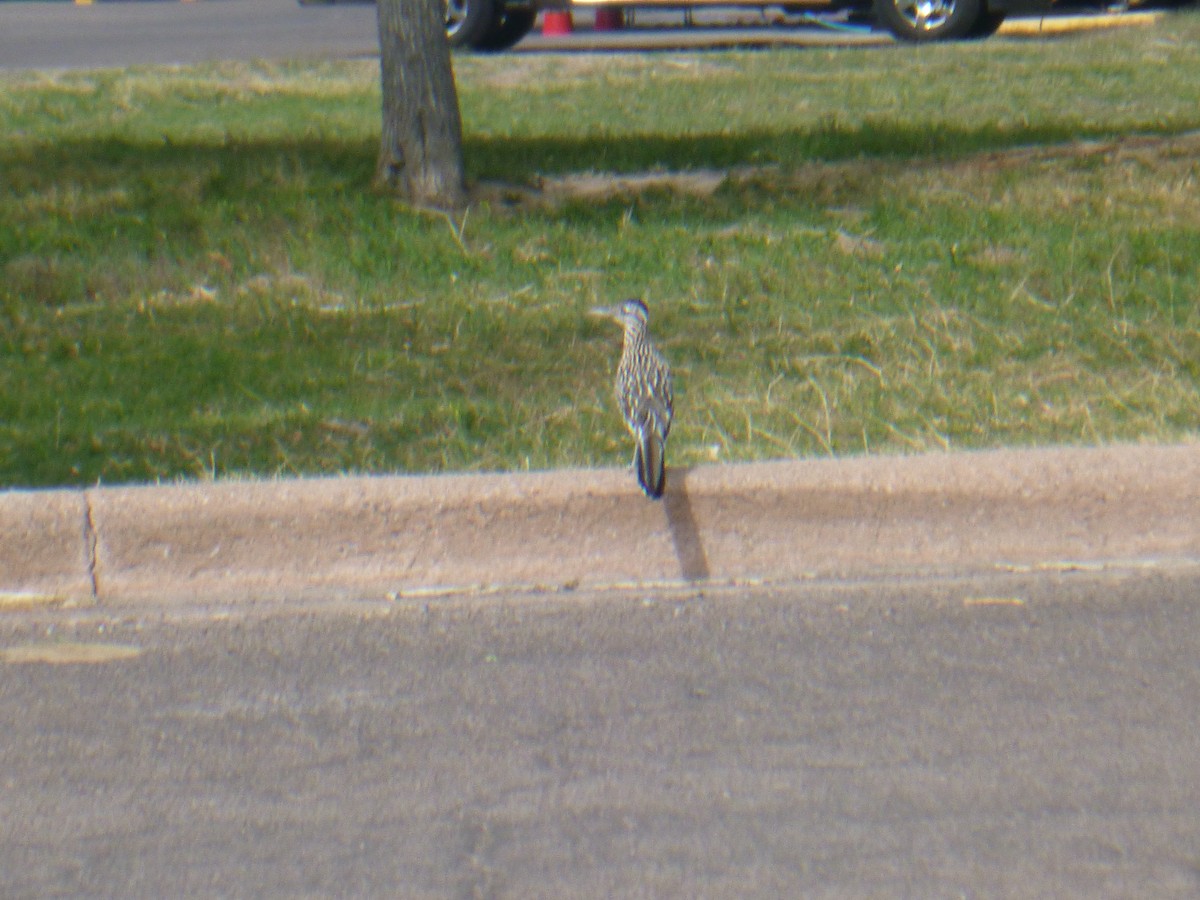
<point x="644" y="395"/>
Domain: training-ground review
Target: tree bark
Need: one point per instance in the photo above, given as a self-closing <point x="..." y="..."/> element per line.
<point x="421" y="153"/>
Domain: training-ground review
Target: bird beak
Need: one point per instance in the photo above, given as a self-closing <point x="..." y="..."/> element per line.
<point x="607" y="312"/>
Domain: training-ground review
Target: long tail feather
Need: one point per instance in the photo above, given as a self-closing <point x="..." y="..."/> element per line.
<point x="650" y="457"/>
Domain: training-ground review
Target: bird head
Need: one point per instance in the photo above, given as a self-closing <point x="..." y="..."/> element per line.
<point x="632" y="312"/>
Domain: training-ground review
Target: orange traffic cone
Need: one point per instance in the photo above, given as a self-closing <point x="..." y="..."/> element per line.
<point x="556" y="22"/>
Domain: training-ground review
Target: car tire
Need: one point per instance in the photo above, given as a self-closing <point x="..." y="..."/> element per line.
<point x="929" y="20"/>
<point x="986" y="25"/>
<point x="509" y="25"/>
<point x="467" y="21"/>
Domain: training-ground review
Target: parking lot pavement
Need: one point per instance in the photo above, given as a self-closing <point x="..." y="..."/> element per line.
<point x="1015" y="735"/>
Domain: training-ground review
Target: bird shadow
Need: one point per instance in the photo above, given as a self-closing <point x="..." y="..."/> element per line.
<point x="685" y="534"/>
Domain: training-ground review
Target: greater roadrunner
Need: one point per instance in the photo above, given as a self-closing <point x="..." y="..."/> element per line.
<point x="643" y="390"/>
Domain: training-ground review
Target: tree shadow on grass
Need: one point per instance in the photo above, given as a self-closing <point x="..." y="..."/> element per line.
<point x="522" y="160"/>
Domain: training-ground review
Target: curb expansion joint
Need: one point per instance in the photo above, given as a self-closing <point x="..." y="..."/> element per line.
<point x="90" y="540"/>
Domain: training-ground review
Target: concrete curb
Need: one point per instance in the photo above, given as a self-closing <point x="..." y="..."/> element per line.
<point x="1036" y="26"/>
<point x="374" y="537"/>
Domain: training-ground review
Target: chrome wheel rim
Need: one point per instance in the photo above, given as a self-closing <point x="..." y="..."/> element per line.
<point x="456" y="14"/>
<point x="925" y="15"/>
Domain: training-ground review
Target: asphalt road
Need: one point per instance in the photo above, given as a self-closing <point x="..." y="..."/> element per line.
<point x="62" y="35"/>
<point x="1014" y="736"/>
<point x="56" y="35"/>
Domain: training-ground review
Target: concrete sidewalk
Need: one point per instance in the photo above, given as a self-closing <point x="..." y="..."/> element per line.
<point x="364" y="537"/>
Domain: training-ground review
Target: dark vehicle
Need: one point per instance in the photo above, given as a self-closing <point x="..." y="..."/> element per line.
<point x="491" y="25"/>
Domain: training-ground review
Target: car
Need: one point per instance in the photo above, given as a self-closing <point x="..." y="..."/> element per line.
<point x="491" y="25"/>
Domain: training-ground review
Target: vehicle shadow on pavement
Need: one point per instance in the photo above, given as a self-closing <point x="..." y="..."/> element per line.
<point x="685" y="535"/>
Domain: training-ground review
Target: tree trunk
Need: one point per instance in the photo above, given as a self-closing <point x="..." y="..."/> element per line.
<point x="421" y="154"/>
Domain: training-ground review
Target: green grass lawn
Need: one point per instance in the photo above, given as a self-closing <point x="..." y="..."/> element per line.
<point x="986" y="244"/>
